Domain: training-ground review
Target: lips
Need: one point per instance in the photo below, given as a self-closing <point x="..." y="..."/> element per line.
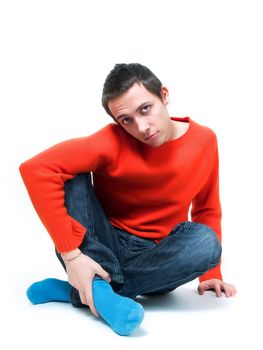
<point x="152" y="136"/>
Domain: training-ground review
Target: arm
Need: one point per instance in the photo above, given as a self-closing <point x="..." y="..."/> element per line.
<point x="44" y="176"/>
<point x="206" y="207"/>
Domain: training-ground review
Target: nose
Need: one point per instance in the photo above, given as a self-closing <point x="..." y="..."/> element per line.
<point x="142" y="126"/>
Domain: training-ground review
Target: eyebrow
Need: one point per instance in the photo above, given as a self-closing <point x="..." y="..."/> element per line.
<point x="125" y="115"/>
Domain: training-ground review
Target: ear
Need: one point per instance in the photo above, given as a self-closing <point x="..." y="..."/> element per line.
<point x="165" y="95"/>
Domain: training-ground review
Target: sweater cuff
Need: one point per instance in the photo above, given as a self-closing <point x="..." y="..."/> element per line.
<point x="72" y="241"/>
<point x="215" y="272"/>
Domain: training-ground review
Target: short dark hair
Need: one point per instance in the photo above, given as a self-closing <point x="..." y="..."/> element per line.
<point x="123" y="76"/>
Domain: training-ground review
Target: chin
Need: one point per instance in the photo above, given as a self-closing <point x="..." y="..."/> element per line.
<point x="156" y="144"/>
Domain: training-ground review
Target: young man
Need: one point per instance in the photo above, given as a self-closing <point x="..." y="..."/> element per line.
<point x="125" y="231"/>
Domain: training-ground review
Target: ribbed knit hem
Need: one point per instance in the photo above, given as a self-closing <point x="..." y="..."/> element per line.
<point x="215" y="272"/>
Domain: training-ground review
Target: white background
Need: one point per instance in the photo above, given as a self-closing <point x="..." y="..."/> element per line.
<point x="54" y="58"/>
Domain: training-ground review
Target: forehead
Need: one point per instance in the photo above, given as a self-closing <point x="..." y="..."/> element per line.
<point x="130" y="100"/>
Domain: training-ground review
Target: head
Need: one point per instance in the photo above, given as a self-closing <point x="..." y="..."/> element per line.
<point x="136" y="99"/>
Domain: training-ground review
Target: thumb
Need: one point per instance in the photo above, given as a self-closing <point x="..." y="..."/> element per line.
<point x="103" y="274"/>
<point x="202" y="288"/>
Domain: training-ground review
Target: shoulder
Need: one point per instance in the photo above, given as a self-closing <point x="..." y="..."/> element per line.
<point x="204" y="133"/>
<point x="106" y="135"/>
<point x="114" y="134"/>
<point x="112" y="130"/>
<point x="108" y="139"/>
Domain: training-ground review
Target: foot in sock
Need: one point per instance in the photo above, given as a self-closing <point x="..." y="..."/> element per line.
<point x="49" y="289"/>
<point x="122" y="314"/>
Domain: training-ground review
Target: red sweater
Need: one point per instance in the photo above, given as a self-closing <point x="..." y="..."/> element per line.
<point x="143" y="190"/>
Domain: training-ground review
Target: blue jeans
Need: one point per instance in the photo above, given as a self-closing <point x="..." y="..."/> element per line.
<point x="137" y="265"/>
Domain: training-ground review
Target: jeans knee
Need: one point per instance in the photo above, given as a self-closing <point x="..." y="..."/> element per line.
<point x="76" y="192"/>
<point x="211" y="244"/>
<point x="216" y="252"/>
<point x="215" y="247"/>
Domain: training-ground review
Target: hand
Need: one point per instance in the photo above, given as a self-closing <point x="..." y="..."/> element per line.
<point x="217" y="286"/>
<point x="81" y="272"/>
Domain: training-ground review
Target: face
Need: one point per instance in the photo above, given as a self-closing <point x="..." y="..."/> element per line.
<point x="143" y="115"/>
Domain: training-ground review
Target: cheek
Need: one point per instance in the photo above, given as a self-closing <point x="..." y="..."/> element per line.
<point x="158" y="116"/>
<point x="130" y="130"/>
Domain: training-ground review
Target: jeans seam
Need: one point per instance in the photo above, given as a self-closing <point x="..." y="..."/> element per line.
<point x="89" y="220"/>
<point x="150" y="252"/>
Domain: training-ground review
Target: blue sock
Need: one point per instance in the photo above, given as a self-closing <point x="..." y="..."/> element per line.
<point x="50" y="289"/>
<point x="122" y="314"/>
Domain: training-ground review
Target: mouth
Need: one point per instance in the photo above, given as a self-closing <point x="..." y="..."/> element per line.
<point x="152" y="136"/>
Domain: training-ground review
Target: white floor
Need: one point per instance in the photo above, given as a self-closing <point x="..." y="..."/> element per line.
<point x="181" y="320"/>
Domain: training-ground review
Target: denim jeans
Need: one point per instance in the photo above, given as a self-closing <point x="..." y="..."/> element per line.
<point x="137" y="265"/>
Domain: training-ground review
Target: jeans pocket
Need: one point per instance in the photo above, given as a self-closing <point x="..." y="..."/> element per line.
<point x="182" y="228"/>
<point x="123" y="238"/>
<point x="138" y="244"/>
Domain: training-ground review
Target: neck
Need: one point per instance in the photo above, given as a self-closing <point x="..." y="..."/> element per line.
<point x="180" y="129"/>
<point x="173" y="130"/>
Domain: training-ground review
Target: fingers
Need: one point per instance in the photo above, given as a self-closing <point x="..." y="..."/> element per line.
<point x="227" y="291"/>
<point x="230" y="290"/>
<point x="218" y="287"/>
<point x="202" y="288"/>
<point x="83" y="298"/>
<point x="103" y="274"/>
<point x="87" y="299"/>
<point x="233" y="291"/>
<point x="88" y="292"/>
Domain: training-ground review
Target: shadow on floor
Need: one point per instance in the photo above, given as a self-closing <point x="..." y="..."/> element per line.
<point x="183" y="299"/>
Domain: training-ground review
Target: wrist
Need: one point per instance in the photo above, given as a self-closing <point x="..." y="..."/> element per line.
<point x="71" y="255"/>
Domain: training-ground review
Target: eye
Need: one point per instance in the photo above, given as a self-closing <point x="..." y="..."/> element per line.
<point x="146" y="108"/>
<point x="125" y="120"/>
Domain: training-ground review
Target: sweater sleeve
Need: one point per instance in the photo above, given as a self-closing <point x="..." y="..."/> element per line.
<point x="44" y="176"/>
<point x="206" y="208"/>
